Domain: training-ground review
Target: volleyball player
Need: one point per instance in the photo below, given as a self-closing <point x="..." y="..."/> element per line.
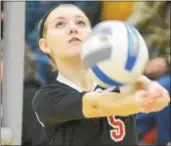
<point x="73" y="110"/>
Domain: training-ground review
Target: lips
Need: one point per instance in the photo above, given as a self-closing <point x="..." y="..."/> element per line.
<point x="74" y="39"/>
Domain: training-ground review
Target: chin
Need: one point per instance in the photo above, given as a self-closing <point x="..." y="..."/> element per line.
<point x="75" y="51"/>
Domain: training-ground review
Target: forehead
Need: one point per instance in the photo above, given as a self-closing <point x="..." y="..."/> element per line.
<point x="66" y="12"/>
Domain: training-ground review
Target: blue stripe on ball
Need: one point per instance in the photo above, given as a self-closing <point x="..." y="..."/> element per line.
<point x="104" y="78"/>
<point x="131" y="58"/>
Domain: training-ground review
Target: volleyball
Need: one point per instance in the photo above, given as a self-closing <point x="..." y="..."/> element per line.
<point x="115" y="53"/>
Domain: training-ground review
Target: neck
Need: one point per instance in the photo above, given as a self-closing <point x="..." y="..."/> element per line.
<point x="74" y="70"/>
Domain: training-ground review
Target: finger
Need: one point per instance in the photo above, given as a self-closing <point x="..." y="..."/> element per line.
<point x="148" y="108"/>
<point x="154" y="89"/>
<point x="162" y="92"/>
<point x="160" y="105"/>
<point x="165" y="94"/>
<point x="146" y="97"/>
<point x="156" y="106"/>
<point x="166" y="97"/>
<point x="153" y="108"/>
<point x="150" y="98"/>
<point x="162" y="101"/>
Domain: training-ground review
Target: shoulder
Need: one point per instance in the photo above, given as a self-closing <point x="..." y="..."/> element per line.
<point x="52" y="91"/>
<point x="54" y="86"/>
<point x="31" y="86"/>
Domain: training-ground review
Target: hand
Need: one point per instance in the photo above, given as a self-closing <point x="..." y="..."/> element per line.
<point x="161" y="95"/>
<point x="156" y="67"/>
<point x="152" y="97"/>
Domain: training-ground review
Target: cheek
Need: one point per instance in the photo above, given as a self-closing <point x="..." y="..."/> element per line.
<point x="86" y="33"/>
<point x="57" y="41"/>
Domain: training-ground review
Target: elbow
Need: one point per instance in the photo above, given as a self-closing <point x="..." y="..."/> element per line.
<point x="90" y="111"/>
<point x="87" y="110"/>
<point x="90" y="105"/>
<point x="94" y="107"/>
<point x="86" y="114"/>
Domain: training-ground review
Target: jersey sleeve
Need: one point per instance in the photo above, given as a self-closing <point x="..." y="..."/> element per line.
<point x="53" y="105"/>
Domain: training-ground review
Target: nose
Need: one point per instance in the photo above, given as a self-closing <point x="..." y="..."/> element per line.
<point x="73" y="28"/>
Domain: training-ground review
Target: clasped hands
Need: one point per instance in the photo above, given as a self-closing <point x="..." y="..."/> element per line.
<point x="150" y="95"/>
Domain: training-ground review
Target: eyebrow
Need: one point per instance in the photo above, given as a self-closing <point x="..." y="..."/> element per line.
<point x="61" y="17"/>
<point x="79" y="16"/>
<point x="57" y="19"/>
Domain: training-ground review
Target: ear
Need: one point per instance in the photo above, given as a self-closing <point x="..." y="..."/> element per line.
<point x="44" y="46"/>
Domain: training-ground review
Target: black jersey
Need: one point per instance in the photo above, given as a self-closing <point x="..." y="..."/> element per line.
<point x="58" y="107"/>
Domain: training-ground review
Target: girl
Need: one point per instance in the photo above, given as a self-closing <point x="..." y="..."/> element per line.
<point x="69" y="109"/>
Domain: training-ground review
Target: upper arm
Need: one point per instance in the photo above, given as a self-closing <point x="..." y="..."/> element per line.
<point x="53" y="105"/>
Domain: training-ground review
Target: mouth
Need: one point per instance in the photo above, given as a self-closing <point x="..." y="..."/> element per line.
<point x="74" y="39"/>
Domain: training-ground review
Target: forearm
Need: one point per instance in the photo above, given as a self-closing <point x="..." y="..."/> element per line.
<point x="106" y="104"/>
<point x="123" y="106"/>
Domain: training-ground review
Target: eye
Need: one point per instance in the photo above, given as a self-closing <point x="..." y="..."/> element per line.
<point x="81" y="23"/>
<point x="59" y="24"/>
